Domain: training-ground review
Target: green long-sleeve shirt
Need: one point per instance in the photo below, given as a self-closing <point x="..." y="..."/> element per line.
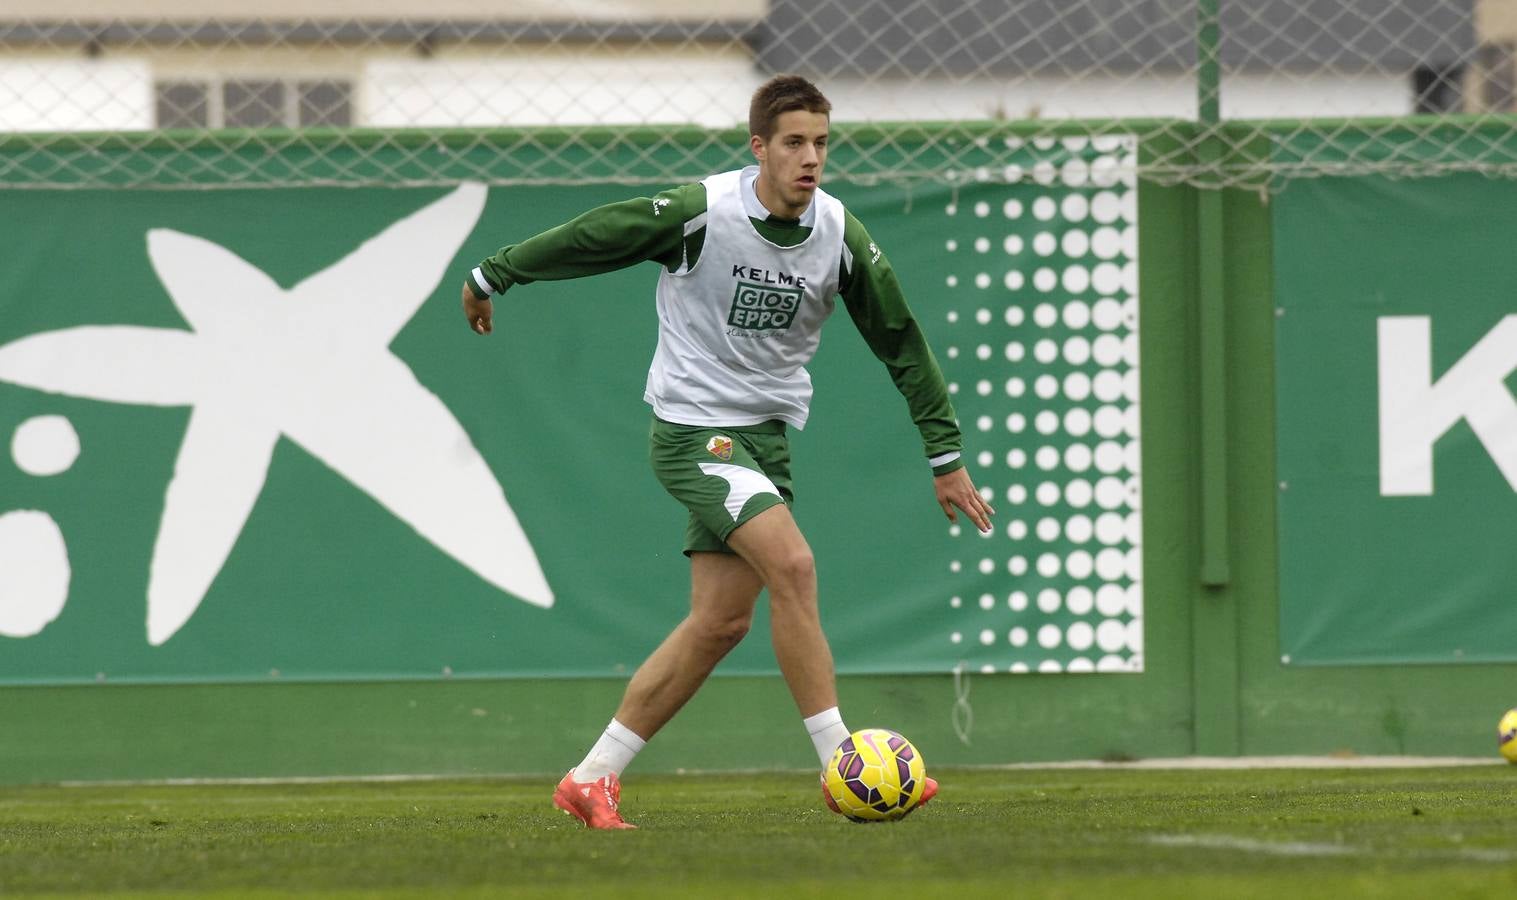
<point x="619" y="235"/>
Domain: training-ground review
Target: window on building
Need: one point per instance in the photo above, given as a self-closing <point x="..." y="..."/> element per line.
<point x="325" y="103"/>
<point x="1438" y="88"/>
<point x="182" y="104"/>
<point x="1498" y="82"/>
<point x="253" y="103"/>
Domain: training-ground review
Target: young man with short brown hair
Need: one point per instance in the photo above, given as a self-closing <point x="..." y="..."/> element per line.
<point x="752" y="263"/>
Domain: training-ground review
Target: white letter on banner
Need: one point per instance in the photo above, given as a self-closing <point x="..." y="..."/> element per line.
<point x="1416" y="411"/>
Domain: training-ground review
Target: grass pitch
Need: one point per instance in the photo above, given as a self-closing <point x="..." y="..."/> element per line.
<point x="1414" y="833"/>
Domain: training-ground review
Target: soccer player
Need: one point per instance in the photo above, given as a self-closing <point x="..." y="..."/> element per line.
<point x="752" y="261"/>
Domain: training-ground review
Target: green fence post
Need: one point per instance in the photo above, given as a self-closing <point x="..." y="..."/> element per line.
<point x="1215" y="647"/>
<point x="1213" y="321"/>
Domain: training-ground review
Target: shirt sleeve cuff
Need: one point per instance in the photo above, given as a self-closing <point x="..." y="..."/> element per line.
<point x="944" y="463"/>
<point x="482" y="286"/>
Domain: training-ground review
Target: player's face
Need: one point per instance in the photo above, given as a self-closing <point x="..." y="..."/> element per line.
<point x="790" y="162"/>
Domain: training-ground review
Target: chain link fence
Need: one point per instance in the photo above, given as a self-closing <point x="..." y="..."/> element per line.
<point x="159" y="94"/>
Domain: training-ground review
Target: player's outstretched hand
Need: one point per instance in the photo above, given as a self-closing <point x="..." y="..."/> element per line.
<point x="478" y="312"/>
<point x="955" y="489"/>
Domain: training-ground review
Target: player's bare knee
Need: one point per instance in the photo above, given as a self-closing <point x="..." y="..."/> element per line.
<point x="792" y="577"/>
<point x="724" y="632"/>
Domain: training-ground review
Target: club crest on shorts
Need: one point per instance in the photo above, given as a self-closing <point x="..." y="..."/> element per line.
<point x="720" y="446"/>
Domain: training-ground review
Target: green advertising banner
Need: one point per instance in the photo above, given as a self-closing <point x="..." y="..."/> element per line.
<point x="1397" y="427"/>
<point x="246" y="435"/>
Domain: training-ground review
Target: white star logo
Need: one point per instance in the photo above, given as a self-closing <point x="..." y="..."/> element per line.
<point x="311" y="364"/>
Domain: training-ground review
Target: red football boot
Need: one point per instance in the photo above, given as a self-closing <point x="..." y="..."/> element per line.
<point x="592" y="802"/>
<point x="827" y="795"/>
<point x="929" y="790"/>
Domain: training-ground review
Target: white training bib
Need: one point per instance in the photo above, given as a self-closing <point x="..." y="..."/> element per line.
<point x="736" y="330"/>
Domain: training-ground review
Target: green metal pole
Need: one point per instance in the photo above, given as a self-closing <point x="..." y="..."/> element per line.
<point x="1213" y="332"/>
<point x="1208" y="73"/>
<point x="1215" y="649"/>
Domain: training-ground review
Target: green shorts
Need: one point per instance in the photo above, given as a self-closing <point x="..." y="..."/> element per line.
<point x="723" y="475"/>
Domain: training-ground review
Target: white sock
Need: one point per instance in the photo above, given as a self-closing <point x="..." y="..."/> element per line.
<point x="827" y="731"/>
<point x="611" y="754"/>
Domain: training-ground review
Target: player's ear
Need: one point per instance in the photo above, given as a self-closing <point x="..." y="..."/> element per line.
<point x="756" y="144"/>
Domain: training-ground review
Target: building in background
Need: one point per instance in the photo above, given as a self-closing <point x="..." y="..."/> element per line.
<point x="76" y="65"/>
<point x="1107" y="58"/>
<point x="1493" y="76"/>
<point x="68" y="65"/>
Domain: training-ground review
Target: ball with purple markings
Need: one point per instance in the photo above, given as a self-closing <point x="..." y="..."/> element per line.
<point x="876" y="775"/>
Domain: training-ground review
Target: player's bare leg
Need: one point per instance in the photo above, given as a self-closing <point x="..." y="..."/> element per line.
<point x="773" y="544"/>
<point x="723" y="590"/>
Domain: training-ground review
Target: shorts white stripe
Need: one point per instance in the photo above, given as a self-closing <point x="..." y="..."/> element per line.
<point x="743" y="485"/>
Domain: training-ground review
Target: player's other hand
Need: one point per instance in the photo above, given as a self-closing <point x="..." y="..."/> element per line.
<point x="480" y="313"/>
<point x="955" y="489"/>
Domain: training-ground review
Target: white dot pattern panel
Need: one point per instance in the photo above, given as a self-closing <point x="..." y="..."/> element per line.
<point x="1042" y="329"/>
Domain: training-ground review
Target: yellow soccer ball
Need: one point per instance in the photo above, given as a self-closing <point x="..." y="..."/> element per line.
<point x="876" y="775"/>
<point x="1506" y="735"/>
